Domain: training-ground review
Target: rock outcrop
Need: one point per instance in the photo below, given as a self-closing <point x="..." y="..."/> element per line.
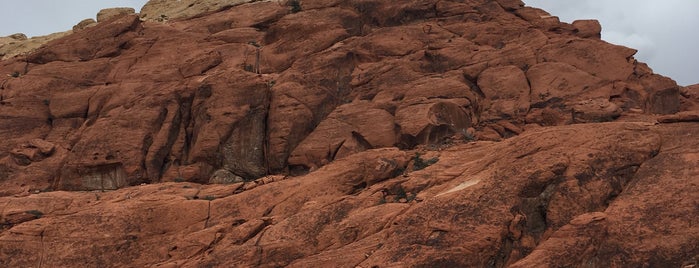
<point x="18" y="44"/>
<point x="112" y="13"/>
<point x="344" y="133"/>
<point x="164" y="10"/>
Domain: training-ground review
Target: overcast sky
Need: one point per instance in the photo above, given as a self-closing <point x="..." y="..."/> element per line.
<point x="41" y="17"/>
<point x="664" y="32"/>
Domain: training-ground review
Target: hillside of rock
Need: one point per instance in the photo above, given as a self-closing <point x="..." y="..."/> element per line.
<point x="356" y="133"/>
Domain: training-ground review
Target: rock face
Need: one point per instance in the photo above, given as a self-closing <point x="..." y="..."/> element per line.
<point x="163" y="10"/>
<point x="111" y="13"/>
<point x="18" y="44"/>
<point x="342" y="133"/>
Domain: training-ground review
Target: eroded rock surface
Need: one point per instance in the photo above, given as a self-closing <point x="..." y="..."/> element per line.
<point x="351" y="133"/>
<point x="555" y="196"/>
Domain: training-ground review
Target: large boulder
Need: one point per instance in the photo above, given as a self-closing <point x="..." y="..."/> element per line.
<point x="115" y="12"/>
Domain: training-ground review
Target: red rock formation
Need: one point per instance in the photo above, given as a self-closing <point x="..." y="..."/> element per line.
<point x="370" y="107"/>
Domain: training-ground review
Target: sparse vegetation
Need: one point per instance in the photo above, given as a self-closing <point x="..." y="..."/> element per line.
<point x="295" y="6"/>
<point x="37" y="214"/>
<point x="468" y="136"/>
<point x="398" y="194"/>
<point x="162" y="18"/>
<point x="419" y="163"/>
<point x="178" y="179"/>
<point x="209" y="197"/>
<point x="15" y="74"/>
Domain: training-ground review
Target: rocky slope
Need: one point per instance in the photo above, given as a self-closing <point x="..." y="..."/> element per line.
<point x="362" y="133"/>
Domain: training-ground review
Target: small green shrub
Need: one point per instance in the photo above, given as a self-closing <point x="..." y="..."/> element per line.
<point x="469" y="137"/>
<point x="37" y="214"/>
<point x="419" y="163"/>
<point x="399" y="196"/>
<point x="209" y="197"/>
<point x="15" y="74"/>
<point x="179" y="179"/>
<point x="295" y="6"/>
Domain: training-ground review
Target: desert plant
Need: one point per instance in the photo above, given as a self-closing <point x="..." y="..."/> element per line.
<point x="468" y="136"/>
<point x="15" y="74"/>
<point x="419" y="163"/>
<point x="295" y="6"/>
<point x="400" y="194"/>
<point x="209" y="197"/>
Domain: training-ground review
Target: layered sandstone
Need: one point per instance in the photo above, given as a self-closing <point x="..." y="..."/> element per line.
<point x="352" y="133"/>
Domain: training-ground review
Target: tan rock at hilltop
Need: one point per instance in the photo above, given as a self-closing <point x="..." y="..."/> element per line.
<point x="111" y="13"/>
<point x="20" y="44"/>
<point x="84" y="24"/>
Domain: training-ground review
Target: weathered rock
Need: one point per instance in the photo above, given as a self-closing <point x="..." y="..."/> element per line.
<point x="84" y="24"/>
<point x="588" y="29"/>
<point x="19" y="45"/>
<point x="18" y="36"/>
<point x="686" y="116"/>
<point x="350" y="129"/>
<point x="163" y="10"/>
<point x="556" y="189"/>
<point x="506" y="90"/>
<point x="605" y="61"/>
<point x="223" y="176"/>
<point x="366" y="112"/>
<point x="429" y="122"/>
<point x="113" y="13"/>
<point x="690" y="98"/>
<point x="551" y="81"/>
<point x="595" y="110"/>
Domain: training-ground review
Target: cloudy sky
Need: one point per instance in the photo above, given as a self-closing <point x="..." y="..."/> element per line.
<point x="664" y="32"/>
<point x="41" y="17"/>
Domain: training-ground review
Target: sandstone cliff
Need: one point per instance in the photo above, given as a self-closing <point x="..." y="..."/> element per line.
<point x="362" y="133"/>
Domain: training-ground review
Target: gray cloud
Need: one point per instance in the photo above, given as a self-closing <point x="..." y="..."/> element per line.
<point x="664" y="32"/>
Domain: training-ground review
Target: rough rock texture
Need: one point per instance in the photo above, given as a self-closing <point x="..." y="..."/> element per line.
<point x="605" y="196"/>
<point x="116" y="12"/>
<point x="84" y="24"/>
<point x="163" y="10"/>
<point x="588" y="28"/>
<point x="342" y="134"/>
<point x="11" y="46"/>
